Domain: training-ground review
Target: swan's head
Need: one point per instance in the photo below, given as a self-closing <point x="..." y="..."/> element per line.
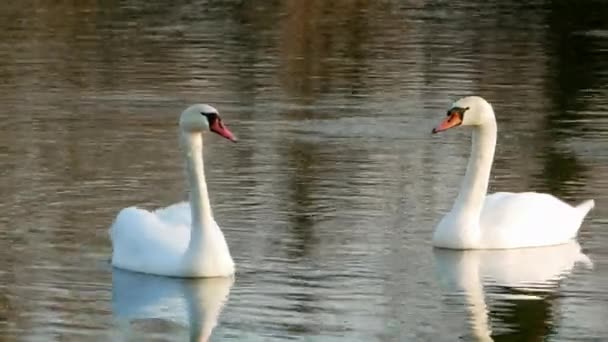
<point x="468" y="111"/>
<point x="203" y="117"/>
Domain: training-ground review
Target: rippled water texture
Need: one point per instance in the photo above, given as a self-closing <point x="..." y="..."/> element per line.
<point x="329" y="199"/>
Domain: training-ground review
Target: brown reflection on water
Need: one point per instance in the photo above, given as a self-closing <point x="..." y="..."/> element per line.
<point x="322" y="46"/>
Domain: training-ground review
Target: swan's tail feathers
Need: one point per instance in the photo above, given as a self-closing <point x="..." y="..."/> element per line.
<point x="585" y="261"/>
<point x="586" y="206"/>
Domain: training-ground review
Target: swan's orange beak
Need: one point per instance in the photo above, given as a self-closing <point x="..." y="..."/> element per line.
<point x="454" y="119"/>
<point x="219" y="128"/>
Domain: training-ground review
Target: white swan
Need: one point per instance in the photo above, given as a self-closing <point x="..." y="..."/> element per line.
<point x="504" y="219"/>
<point x="182" y="240"/>
<point x="195" y="303"/>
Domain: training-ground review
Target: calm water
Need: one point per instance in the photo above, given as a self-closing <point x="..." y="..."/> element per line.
<point x="329" y="200"/>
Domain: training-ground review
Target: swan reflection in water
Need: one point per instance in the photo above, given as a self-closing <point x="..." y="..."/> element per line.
<point x="195" y="303"/>
<point x="523" y="277"/>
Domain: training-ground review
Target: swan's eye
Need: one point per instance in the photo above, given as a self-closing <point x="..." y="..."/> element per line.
<point x="211" y="117"/>
<point x="457" y="110"/>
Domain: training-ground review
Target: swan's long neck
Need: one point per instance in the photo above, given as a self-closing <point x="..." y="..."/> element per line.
<point x="475" y="184"/>
<point x="200" y="207"/>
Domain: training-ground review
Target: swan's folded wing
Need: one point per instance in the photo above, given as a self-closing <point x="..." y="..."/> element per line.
<point x="527" y="219"/>
<point x="139" y="231"/>
<point x="175" y="215"/>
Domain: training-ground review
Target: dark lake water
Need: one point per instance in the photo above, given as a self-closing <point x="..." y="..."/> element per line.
<point x="329" y="200"/>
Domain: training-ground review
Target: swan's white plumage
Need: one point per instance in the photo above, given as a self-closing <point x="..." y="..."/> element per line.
<point x="515" y="220"/>
<point x="504" y="219"/>
<point x="137" y="231"/>
<point x="156" y="242"/>
<point x="181" y="240"/>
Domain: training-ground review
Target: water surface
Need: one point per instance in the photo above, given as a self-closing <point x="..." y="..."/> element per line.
<point x="329" y="200"/>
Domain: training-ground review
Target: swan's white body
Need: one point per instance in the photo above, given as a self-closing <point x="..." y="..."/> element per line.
<point x="504" y="219"/>
<point x="182" y="240"/>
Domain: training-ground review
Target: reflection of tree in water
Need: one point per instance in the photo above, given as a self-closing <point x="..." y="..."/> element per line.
<point x="301" y="158"/>
<point x="321" y="47"/>
<point x="559" y="168"/>
<point x="574" y="66"/>
<point x="9" y="309"/>
<point x="531" y="318"/>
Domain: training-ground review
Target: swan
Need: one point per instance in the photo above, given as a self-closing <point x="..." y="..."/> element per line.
<point x="195" y="303"/>
<point x="504" y="219"/>
<point x="182" y="240"/>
